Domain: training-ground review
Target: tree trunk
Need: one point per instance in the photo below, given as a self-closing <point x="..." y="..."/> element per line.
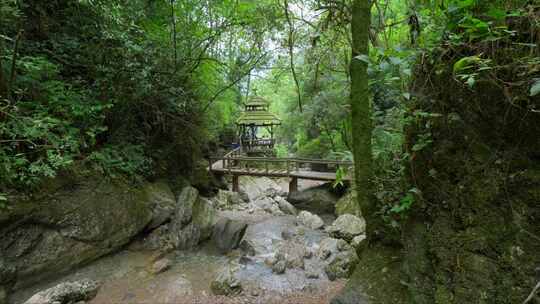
<point x="361" y="113"/>
<point x="3" y="80"/>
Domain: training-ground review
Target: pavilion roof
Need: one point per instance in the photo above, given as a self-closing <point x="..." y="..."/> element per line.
<point x="257" y="101"/>
<point x="258" y="118"/>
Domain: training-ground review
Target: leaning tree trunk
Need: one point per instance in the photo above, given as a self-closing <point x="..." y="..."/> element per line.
<point x="361" y="111"/>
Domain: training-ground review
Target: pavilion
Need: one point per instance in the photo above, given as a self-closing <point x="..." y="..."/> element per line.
<point x="256" y="127"/>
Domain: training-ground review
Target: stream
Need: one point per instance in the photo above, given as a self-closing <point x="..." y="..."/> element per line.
<point x="126" y="276"/>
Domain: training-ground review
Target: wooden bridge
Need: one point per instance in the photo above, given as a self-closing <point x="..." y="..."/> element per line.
<point x="236" y="164"/>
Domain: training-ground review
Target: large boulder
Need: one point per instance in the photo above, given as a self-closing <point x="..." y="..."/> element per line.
<point x="73" y="221"/>
<point x="318" y="199"/>
<point x="66" y="293"/>
<point x="158" y="239"/>
<point x="342" y="265"/>
<point x="340" y="258"/>
<point x="310" y="220"/>
<point x="162" y="201"/>
<point x="347" y="226"/>
<point x="255" y="187"/>
<point x="228" y="233"/>
<point x="348" y="204"/>
<point x="193" y="220"/>
<point x="328" y="247"/>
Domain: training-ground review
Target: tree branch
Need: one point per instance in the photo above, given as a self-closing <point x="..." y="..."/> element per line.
<point x="291" y="52"/>
<point x="235" y="82"/>
<point x="533" y="293"/>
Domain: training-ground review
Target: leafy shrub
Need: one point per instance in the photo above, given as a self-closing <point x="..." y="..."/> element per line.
<point x="127" y="160"/>
<point x="48" y="127"/>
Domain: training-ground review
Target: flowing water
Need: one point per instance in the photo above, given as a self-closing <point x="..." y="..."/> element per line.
<point x="126" y="278"/>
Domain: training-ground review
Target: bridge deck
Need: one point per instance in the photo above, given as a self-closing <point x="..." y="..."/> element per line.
<point x="303" y="174"/>
<point x="235" y="164"/>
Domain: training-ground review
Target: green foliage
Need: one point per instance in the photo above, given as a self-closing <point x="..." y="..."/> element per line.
<point x="405" y="202"/>
<point x="45" y="134"/>
<point x="469" y="68"/>
<point x="281" y="151"/>
<point x="126" y="160"/>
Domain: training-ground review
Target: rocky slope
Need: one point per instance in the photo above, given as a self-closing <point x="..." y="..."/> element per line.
<point x="80" y="219"/>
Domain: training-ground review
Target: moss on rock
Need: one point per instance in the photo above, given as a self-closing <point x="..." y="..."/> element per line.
<point x="81" y="219"/>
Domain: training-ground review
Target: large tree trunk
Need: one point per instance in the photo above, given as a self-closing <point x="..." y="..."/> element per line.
<point x="361" y="110"/>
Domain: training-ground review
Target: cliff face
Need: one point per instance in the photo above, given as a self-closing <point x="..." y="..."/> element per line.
<point x="473" y="232"/>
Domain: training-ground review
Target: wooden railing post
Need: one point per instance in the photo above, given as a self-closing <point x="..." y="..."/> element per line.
<point x="235" y="184"/>
<point x="288" y="168"/>
<point x="266" y="165"/>
<point x="293" y="185"/>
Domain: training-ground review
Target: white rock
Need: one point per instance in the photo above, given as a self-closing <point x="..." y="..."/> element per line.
<point x="310" y="220"/>
<point x="160" y="266"/>
<point x="256" y="187"/>
<point x="264" y="203"/>
<point x="83" y="290"/>
<point x="347" y="226"/>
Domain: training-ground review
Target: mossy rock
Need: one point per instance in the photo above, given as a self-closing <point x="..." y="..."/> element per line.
<point x="348" y="204"/>
<point x="77" y="223"/>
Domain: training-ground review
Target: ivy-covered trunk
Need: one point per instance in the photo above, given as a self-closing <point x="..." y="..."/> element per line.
<point x="361" y="109"/>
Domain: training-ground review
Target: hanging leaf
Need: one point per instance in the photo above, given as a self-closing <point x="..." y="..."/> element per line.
<point x="535" y="88"/>
<point x="465" y="63"/>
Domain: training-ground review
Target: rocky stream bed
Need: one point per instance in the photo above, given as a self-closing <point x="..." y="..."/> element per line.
<point x="248" y="247"/>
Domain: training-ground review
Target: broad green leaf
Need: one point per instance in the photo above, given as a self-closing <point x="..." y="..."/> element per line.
<point x="465" y="63"/>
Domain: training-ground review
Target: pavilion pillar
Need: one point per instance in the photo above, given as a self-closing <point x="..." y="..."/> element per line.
<point x="235" y="183"/>
<point x="293" y="185"/>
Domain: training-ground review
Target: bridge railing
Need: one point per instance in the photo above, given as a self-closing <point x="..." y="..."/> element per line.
<point x="234" y="160"/>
